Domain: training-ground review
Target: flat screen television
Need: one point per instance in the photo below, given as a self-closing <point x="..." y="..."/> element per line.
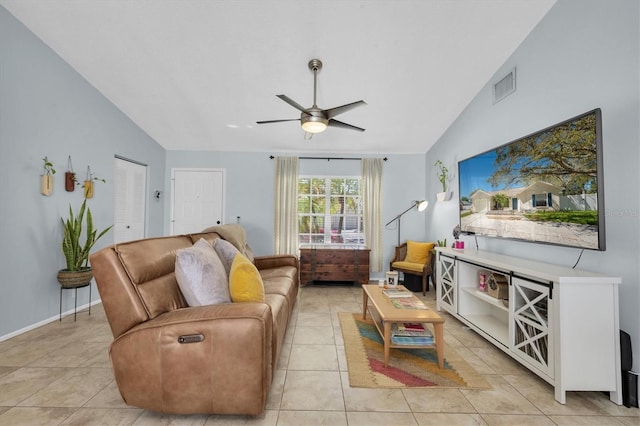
<point x="546" y="187"/>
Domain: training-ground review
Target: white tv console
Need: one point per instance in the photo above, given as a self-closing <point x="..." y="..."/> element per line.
<point x="560" y="323"/>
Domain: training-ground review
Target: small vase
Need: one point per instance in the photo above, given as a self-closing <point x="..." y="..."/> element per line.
<point x="444" y="196"/>
<point x="88" y="189"/>
<point x="69" y="181"/>
<point x="46" y="184"/>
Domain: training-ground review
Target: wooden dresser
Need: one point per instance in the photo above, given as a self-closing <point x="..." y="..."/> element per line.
<point x="334" y="263"/>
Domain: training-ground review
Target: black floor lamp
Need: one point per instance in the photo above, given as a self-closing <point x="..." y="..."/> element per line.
<point x="420" y="205"/>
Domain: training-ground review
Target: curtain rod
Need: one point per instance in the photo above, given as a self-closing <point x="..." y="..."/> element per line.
<point x="328" y="158"/>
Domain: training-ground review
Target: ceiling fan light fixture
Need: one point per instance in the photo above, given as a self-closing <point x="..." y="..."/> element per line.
<point x="314" y="124"/>
<point x="314" y="119"/>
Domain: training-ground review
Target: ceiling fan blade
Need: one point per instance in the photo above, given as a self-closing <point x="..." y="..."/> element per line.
<point x="332" y="112"/>
<point x="277" y="121"/>
<point x="336" y="123"/>
<point x="292" y="102"/>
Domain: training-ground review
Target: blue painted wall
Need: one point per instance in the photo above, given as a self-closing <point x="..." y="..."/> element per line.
<point x="583" y="55"/>
<point x="250" y="181"/>
<point x="48" y="109"/>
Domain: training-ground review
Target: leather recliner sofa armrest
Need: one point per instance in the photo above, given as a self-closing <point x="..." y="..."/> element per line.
<point x="275" y="261"/>
<point x="207" y="359"/>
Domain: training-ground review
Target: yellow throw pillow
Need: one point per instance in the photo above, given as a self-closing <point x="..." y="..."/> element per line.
<point x="245" y="282"/>
<point x="418" y="252"/>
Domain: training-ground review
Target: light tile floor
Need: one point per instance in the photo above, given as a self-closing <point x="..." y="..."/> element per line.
<point x="60" y="374"/>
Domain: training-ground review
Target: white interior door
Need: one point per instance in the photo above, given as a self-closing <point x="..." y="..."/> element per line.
<point x="129" y="200"/>
<point x="197" y="199"/>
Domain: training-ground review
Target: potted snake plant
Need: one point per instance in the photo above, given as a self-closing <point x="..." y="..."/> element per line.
<point x="443" y="177"/>
<point x="78" y="272"/>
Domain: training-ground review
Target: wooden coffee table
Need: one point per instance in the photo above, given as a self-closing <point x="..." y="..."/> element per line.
<point x="384" y="314"/>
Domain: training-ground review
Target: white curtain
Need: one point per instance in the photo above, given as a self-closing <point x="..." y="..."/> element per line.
<point x="372" y="209"/>
<point x="286" y="206"/>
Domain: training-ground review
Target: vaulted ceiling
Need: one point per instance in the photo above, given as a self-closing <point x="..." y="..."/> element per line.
<point x="198" y="74"/>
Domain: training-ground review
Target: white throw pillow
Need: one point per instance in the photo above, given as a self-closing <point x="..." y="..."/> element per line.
<point x="226" y="251"/>
<point x="201" y="275"/>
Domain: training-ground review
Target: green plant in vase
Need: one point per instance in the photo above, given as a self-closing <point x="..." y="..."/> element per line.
<point x="87" y="186"/>
<point x="76" y="253"/>
<point x="443" y="177"/>
<point x="443" y="174"/>
<point x="46" y="178"/>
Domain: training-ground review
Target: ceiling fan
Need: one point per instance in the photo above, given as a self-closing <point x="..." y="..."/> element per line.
<point x="314" y="119"/>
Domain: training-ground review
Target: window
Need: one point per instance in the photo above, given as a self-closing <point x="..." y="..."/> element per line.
<point x="330" y="210"/>
<point x="541" y="200"/>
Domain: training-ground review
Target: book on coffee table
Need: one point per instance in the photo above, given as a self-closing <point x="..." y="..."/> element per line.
<point x="412" y="340"/>
<point x="406" y="303"/>
<point x="410" y="330"/>
<point x="395" y="293"/>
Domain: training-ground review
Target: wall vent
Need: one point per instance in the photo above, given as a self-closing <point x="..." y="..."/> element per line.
<point x="504" y="87"/>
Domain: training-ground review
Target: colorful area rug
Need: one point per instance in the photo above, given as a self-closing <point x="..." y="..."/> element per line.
<point x="407" y="367"/>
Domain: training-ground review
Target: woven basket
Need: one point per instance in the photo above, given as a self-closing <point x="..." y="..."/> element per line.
<point x="72" y="279"/>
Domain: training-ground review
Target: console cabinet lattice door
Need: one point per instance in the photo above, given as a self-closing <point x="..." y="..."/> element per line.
<point x="446" y="283"/>
<point x="532" y="322"/>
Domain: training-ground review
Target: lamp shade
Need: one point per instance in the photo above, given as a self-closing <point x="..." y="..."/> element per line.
<point x="419" y="205"/>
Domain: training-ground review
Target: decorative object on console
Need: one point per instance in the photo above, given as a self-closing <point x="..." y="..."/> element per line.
<point x="459" y="245"/>
<point x="498" y="286"/>
<point x="443" y="177"/>
<point x="456" y="232"/>
<point x="420" y="205"/>
<point x="314" y="119"/>
<point x="46" y="179"/>
<point x="482" y="281"/>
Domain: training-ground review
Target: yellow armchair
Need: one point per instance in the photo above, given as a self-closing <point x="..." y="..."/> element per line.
<point x="415" y="258"/>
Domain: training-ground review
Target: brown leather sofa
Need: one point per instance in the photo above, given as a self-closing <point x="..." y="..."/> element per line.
<point x="171" y="358"/>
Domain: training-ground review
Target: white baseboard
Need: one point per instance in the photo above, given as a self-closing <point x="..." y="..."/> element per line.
<point x="47" y="321"/>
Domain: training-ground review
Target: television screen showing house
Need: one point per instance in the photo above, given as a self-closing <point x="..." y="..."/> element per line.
<point x="545" y="187"/>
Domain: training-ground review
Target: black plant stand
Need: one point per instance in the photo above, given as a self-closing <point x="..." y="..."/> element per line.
<point x="75" y="307"/>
